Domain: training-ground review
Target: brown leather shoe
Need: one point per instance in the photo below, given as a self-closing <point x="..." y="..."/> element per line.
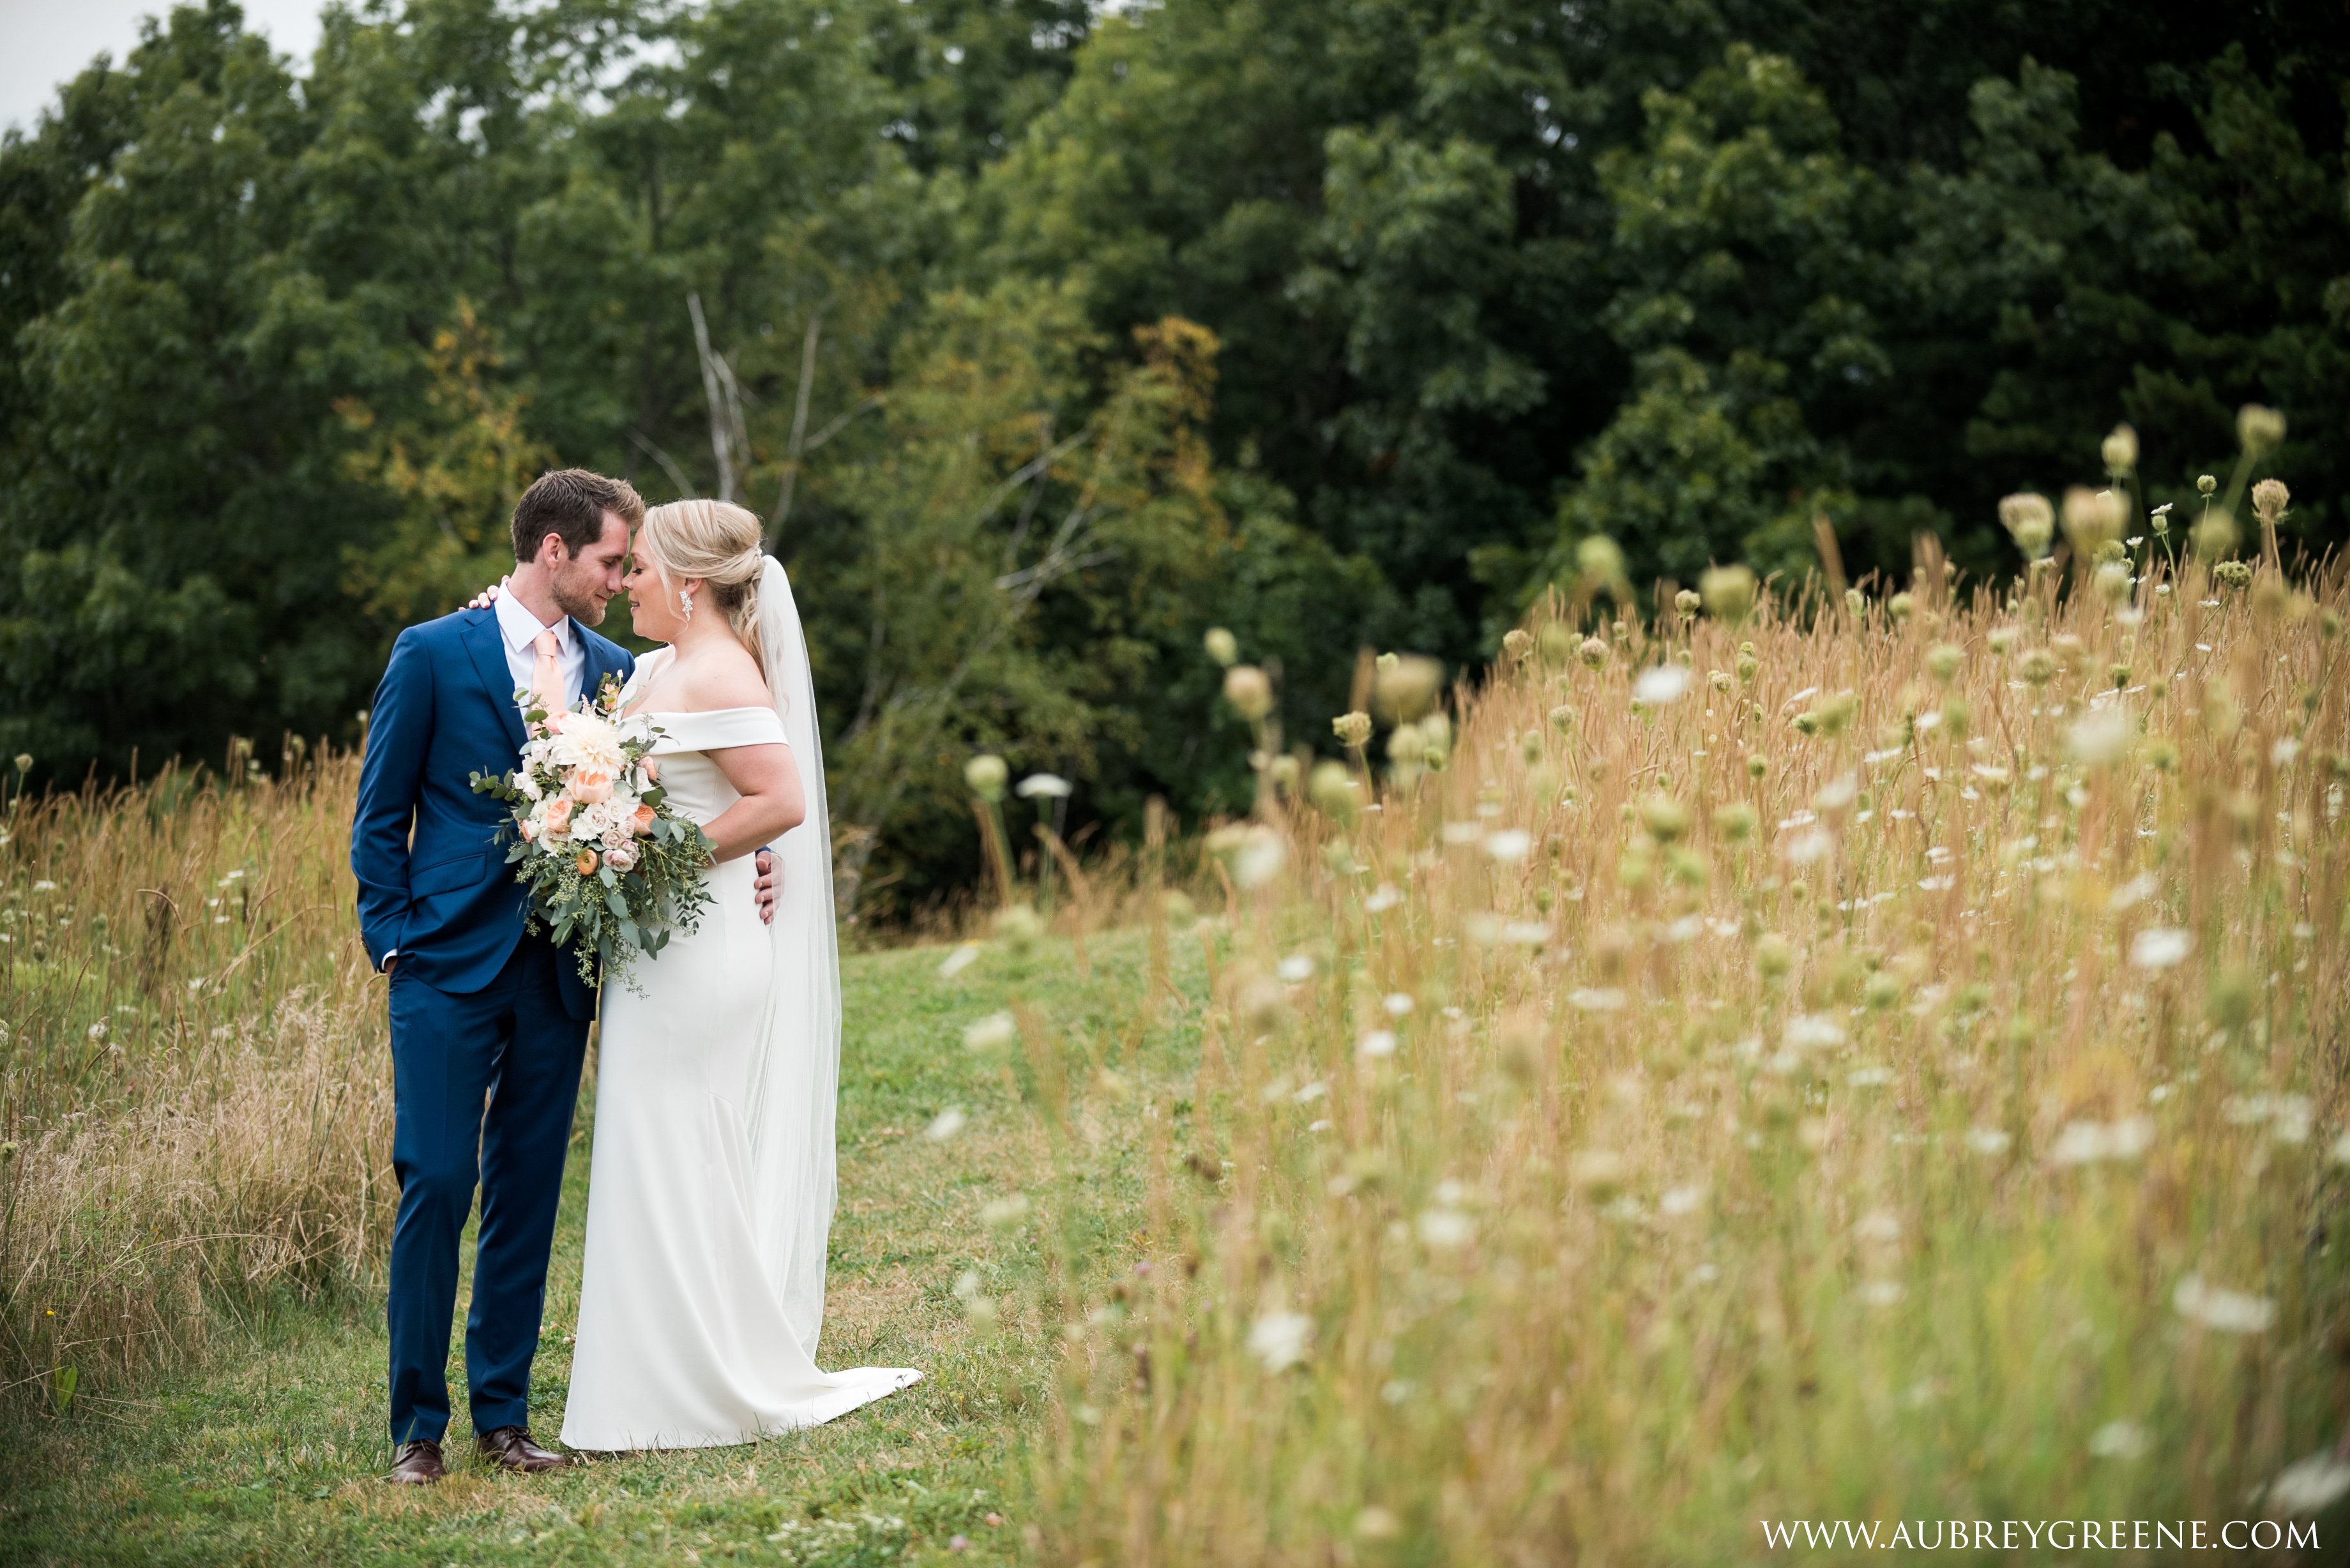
<point x="510" y="1448"/>
<point x="417" y="1464"/>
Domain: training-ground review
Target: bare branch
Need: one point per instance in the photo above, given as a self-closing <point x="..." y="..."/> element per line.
<point x="721" y="435"/>
<point x="668" y="464"/>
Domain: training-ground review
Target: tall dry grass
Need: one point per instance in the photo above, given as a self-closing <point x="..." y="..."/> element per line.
<point x="1879" y="1062"/>
<point x="194" y="1108"/>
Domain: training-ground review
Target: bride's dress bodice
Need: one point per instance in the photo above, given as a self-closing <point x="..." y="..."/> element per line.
<point x="696" y="785"/>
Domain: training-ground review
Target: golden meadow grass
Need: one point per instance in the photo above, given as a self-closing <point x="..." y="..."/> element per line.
<point x="1880" y="1064"/>
<point x="193" y="1096"/>
<point x="1890" y="1070"/>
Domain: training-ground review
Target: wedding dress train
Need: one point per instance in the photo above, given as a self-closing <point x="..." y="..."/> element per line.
<point x="710" y="1180"/>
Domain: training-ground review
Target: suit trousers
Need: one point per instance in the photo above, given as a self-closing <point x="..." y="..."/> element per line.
<point x="484" y="1088"/>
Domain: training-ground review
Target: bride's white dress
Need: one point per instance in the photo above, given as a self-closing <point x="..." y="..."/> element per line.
<point x="700" y="1302"/>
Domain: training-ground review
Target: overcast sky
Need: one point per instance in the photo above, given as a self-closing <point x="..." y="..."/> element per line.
<point x="46" y="43"/>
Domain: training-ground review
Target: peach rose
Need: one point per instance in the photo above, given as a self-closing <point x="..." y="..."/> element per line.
<point x="620" y="859"/>
<point x="558" y="814"/>
<point x="591" y="786"/>
<point x="587" y="862"/>
<point x="640" y="821"/>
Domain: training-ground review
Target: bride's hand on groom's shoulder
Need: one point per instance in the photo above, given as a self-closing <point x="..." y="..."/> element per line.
<point x="487" y="597"/>
<point x="768" y="878"/>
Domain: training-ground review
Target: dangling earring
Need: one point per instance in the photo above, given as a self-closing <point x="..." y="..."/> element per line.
<point x="685" y="604"/>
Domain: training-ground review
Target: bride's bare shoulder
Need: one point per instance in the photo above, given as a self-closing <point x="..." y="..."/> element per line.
<point x="723" y="676"/>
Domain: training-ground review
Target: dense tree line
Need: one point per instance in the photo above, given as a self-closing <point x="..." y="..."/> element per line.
<point x="1046" y="336"/>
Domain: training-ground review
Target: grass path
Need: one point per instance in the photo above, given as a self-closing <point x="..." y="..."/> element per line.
<point x="268" y="1452"/>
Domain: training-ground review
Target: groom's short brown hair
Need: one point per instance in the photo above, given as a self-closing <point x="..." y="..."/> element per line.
<point x="570" y="504"/>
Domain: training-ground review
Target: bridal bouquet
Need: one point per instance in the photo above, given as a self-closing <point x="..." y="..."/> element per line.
<point x="611" y="870"/>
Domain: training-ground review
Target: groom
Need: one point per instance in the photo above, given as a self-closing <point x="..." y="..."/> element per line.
<point x="489" y="1024"/>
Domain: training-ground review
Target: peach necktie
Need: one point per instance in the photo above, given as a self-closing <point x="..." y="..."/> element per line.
<point x="546" y="680"/>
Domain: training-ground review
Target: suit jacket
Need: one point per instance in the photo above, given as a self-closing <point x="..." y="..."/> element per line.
<point x="445" y="898"/>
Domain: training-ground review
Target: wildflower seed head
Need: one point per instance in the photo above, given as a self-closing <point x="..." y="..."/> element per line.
<point x="1757" y="764"/>
<point x="1249" y="691"/>
<point x="2205" y="484"/>
<point x="1665" y="818"/>
<point x="1556" y="643"/>
<point x="2038" y="666"/>
<point x="1331" y="789"/>
<point x="2120" y="449"/>
<point x="1352" y="729"/>
<point x="1517" y="643"/>
<point x="1593" y="652"/>
<point x="1688" y="602"/>
<point x="24" y="762"/>
<point x="2092" y="519"/>
<point x="2234" y="574"/>
<point x="1221" y="645"/>
<point x="2270" y="498"/>
<point x="1749" y="667"/>
<point x="1728" y="593"/>
<point x="1957" y="718"/>
<point x="2113" y="583"/>
<point x="1902" y="606"/>
<point x="2259" y="429"/>
<point x="1601" y="563"/>
<point x="1405" y="689"/>
<point x="1562" y="719"/>
<point x="1774" y="957"/>
<point x="1736" y="822"/>
<point x="985" y="774"/>
<point x="1855" y="602"/>
<point x="2029" y="521"/>
<point x="2214" y="534"/>
<point x="2269" y="599"/>
<point x="1942" y="661"/>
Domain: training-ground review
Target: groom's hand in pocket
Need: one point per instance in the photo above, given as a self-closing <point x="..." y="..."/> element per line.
<point x="766" y="884"/>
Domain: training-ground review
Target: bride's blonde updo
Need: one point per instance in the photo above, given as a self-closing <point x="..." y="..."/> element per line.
<point x="718" y="543"/>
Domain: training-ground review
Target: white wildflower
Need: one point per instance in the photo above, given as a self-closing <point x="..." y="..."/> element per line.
<point x="2118" y="1440"/>
<point x="946" y="1124"/>
<point x="2159" y="946"/>
<point x="2309" y="1487"/>
<point x="1660" y="685"/>
<point x="1510" y="846"/>
<point x="2087" y="1142"/>
<point x="1279" y="1340"/>
<point x="2228" y="1312"/>
<point x="1446" y="1228"/>
<point x="992" y="1032"/>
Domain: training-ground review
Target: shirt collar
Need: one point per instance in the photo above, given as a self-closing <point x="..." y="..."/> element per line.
<point x="521" y="629"/>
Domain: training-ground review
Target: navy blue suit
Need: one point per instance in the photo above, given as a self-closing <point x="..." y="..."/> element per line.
<point x="480" y="1013"/>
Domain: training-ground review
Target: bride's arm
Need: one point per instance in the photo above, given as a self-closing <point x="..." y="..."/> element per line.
<point x="768" y="780"/>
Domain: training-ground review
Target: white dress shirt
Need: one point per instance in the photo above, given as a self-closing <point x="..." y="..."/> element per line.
<point x="519" y="630"/>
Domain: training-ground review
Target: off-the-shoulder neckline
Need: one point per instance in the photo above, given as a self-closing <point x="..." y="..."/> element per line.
<point x="697" y="712"/>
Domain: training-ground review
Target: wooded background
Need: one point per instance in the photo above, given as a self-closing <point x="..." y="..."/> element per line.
<point x="1047" y="335"/>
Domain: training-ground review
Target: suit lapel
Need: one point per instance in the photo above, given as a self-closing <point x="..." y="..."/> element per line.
<point x="489" y="653"/>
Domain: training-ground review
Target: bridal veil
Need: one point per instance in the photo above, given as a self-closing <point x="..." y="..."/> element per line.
<point x="797" y="1079"/>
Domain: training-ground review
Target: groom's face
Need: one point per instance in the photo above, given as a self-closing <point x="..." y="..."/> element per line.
<point x="582" y="583"/>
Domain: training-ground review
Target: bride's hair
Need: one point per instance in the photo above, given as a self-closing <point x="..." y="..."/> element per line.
<point x="718" y="543"/>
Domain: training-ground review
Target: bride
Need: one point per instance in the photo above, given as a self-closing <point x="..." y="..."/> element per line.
<point x="711" y="1184"/>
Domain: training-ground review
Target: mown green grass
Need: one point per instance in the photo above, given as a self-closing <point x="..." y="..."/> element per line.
<point x="268" y="1451"/>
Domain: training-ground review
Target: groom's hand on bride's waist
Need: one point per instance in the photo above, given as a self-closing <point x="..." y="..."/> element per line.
<point x="766" y="884"/>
